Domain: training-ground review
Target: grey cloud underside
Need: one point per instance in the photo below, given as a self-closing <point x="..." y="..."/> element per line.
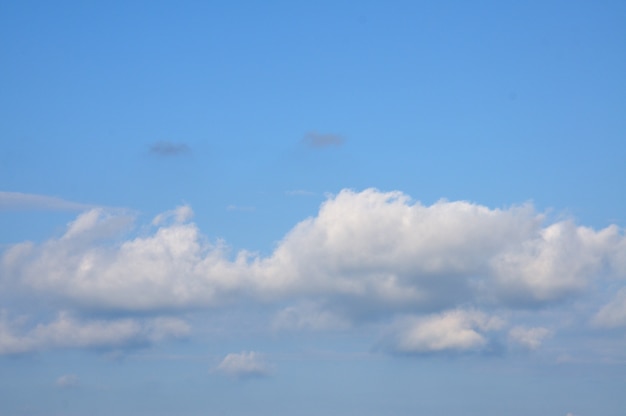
<point x="444" y="277"/>
<point x="164" y="148"/>
<point x="318" y="140"/>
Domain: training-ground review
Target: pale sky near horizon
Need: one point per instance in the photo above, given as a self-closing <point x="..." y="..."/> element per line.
<point x="313" y="208"/>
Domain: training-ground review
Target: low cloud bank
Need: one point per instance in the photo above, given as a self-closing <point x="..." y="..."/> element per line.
<point x="366" y="255"/>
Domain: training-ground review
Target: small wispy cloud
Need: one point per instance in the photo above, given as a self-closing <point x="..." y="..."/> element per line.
<point x="530" y="338"/>
<point x="165" y="148"/>
<point x="24" y="201"/>
<point x="66" y="381"/>
<point x="244" y="365"/>
<point x="319" y="140"/>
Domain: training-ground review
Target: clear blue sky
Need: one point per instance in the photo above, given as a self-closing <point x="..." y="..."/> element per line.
<point x="402" y="208"/>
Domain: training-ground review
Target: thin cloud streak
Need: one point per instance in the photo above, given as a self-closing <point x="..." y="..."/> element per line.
<point x="18" y="201"/>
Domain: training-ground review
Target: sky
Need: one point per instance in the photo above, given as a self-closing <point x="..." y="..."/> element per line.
<point x="247" y="208"/>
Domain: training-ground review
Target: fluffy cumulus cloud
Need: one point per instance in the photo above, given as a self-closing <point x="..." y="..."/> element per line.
<point x="366" y="256"/>
<point x="170" y="268"/>
<point x="455" y="330"/>
<point x="244" y="365"/>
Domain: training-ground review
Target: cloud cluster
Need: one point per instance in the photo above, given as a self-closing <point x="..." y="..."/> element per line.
<point x="444" y="277"/>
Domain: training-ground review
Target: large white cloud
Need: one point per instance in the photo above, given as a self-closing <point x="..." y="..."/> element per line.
<point x="171" y="268"/>
<point x="369" y="254"/>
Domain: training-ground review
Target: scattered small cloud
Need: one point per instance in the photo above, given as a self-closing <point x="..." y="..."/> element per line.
<point x="308" y="316"/>
<point x="455" y="330"/>
<point x="18" y="201"/>
<point x="165" y="148"/>
<point x="245" y="364"/>
<point x="179" y="215"/>
<point x="530" y="338"/>
<point x="319" y="140"/>
<point x="66" y="381"/>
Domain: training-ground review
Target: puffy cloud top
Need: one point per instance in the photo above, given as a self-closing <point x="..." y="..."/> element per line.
<point x="371" y="254"/>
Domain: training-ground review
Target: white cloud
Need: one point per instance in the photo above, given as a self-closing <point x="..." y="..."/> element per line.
<point x="378" y="245"/>
<point x="365" y="254"/>
<point x="171" y="268"/>
<point x="613" y="314"/>
<point x="370" y="246"/>
<point x="562" y="259"/>
<point x="245" y="364"/>
<point x="179" y="215"/>
<point x="9" y="342"/>
<point x="381" y="247"/>
<point x="308" y="316"/>
<point x="455" y="330"/>
<point x="68" y="332"/>
<point x="23" y="201"/>
<point x="66" y="381"/>
<point x="530" y="338"/>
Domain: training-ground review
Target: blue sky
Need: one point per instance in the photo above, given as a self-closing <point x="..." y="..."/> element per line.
<point x="312" y="208"/>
